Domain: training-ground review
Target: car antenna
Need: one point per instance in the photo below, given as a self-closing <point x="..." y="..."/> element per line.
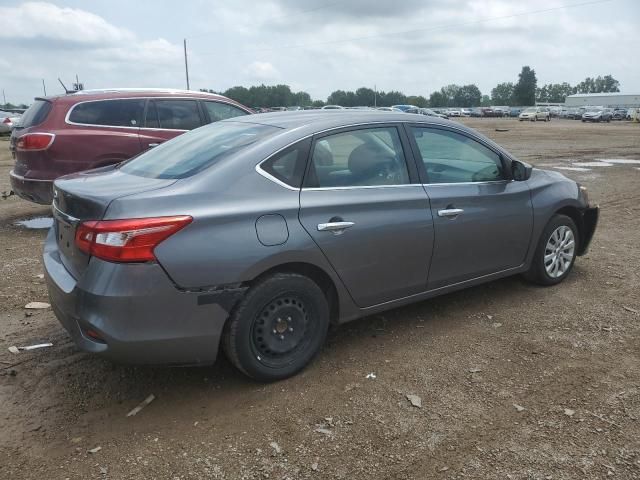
<point x="66" y="90"/>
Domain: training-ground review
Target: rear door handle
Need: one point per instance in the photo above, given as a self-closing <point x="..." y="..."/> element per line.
<point x="450" y="212"/>
<point x="335" y="227"/>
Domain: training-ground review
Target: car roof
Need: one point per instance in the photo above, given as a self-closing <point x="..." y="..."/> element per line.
<point x="319" y="120"/>
<point x="106" y="93"/>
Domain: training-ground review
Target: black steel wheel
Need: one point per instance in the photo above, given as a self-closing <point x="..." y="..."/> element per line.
<point x="278" y="327"/>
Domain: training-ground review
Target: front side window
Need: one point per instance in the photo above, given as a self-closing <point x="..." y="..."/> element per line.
<point x="221" y="111"/>
<point x="178" y="114"/>
<point x="112" y="113"/>
<point x="366" y="157"/>
<point x="450" y="157"/>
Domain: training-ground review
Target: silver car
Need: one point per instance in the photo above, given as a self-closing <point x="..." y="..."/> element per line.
<point x="257" y="233"/>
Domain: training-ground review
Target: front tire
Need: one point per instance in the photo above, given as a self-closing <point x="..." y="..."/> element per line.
<point x="277" y="328"/>
<point x="555" y="253"/>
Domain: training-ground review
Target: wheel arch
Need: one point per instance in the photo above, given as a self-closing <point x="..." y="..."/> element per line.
<point x="315" y="273"/>
<point x="574" y="214"/>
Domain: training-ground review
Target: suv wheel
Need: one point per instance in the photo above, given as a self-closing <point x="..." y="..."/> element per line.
<point x="555" y="253"/>
<point x="277" y="328"/>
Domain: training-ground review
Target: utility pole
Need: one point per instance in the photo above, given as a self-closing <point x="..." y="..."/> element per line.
<point x="44" y="88"/>
<point x="186" y="65"/>
<point x="4" y="99"/>
<point x="375" y="95"/>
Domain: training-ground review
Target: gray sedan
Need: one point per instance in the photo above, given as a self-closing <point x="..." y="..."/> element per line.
<point x="257" y="233"/>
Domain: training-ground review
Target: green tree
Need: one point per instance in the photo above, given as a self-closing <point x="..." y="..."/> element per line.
<point x="502" y="94"/>
<point x="365" y="97"/>
<point x="467" y="96"/>
<point x="486" y="101"/>
<point x="554" y="92"/>
<point x="418" y="101"/>
<point x="524" y="92"/>
<point x="598" y="85"/>
<point x="437" y="99"/>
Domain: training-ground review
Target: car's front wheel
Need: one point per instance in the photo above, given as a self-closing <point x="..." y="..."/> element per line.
<point x="278" y="327"/>
<point x="555" y="253"/>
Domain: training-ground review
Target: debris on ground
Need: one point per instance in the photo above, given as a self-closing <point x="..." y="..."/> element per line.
<point x="629" y="309"/>
<point x="496" y="324"/>
<point x="37" y="306"/>
<point x="569" y="412"/>
<point x="518" y="408"/>
<point x="415" y="400"/>
<point x="94" y="450"/>
<point x="143" y="404"/>
<point x="314" y="466"/>
<point x="324" y="431"/>
<point x="14" y="349"/>
<point x="371" y="376"/>
<point x="475" y="370"/>
<point x="276" y="447"/>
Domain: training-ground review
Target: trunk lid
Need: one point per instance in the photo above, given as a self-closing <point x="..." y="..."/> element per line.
<point x="86" y="196"/>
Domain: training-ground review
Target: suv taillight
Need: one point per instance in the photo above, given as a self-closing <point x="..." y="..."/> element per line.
<point x="6" y="120"/>
<point x="130" y="240"/>
<point x="35" y="141"/>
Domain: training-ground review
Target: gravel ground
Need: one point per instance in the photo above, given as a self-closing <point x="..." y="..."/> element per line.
<point x="514" y="381"/>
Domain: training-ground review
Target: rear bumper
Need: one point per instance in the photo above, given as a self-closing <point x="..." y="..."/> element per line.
<point x="138" y="314"/>
<point x="589" y="223"/>
<point x="38" y="191"/>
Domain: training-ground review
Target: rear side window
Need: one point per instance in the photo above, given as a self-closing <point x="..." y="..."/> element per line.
<point x="194" y="151"/>
<point x="221" y="111"/>
<point x="288" y="166"/>
<point x="178" y="114"/>
<point x="112" y="113"/>
<point x="35" y="114"/>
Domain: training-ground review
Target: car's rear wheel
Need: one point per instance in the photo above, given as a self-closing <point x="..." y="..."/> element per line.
<point x="555" y="253"/>
<point x="278" y="327"/>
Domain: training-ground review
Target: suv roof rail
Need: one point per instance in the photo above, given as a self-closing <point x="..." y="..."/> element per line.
<point x="159" y="90"/>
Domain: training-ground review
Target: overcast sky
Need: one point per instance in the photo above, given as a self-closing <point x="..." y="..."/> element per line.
<point x="415" y="46"/>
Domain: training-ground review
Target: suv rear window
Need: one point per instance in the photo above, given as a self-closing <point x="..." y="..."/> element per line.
<point x="35" y="114"/>
<point x="112" y="113"/>
<point x="196" y="150"/>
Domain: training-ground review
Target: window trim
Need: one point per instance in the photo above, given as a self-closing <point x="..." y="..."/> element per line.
<point x="198" y="99"/>
<point x="406" y="150"/>
<point x="504" y="160"/>
<point x="303" y="156"/>
<point x="162" y="99"/>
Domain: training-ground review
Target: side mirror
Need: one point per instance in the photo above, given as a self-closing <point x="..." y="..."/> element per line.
<point x="520" y="171"/>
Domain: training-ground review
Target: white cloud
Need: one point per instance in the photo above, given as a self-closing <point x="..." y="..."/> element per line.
<point x="262" y="71"/>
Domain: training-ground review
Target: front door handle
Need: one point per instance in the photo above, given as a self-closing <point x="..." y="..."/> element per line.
<point x="335" y="227"/>
<point x="450" y="212"/>
<point x="151" y="145"/>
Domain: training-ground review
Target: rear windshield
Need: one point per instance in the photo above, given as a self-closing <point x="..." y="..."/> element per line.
<point x="196" y="150"/>
<point x="35" y="114"/>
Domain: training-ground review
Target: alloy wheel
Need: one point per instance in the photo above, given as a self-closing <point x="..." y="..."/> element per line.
<point x="559" y="251"/>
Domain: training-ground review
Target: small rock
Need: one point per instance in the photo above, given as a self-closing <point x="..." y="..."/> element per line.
<point x="103" y="470"/>
<point x="475" y="370"/>
<point x="324" y="431"/>
<point x="40" y="276"/>
<point x="490" y="317"/>
<point x="568" y="412"/>
<point x="37" y="306"/>
<point x="443" y="469"/>
<point x="415" y="400"/>
<point x="496" y="324"/>
<point x="94" y="450"/>
<point x="518" y="408"/>
<point x="314" y="466"/>
<point x="276" y="447"/>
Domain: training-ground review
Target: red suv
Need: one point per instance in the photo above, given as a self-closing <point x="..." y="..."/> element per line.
<point x="93" y="128"/>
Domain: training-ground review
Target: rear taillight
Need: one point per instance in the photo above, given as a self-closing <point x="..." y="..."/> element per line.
<point x="6" y="120"/>
<point x="35" y="141"/>
<point x="127" y="240"/>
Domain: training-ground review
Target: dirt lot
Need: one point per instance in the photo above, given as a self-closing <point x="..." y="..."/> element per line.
<point x="516" y="381"/>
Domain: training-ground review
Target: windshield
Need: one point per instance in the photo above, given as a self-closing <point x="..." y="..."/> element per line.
<point x="593" y="109"/>
<point x="530" y="109"/>
<point x="35" y="114"/>
<point x="196" y="150"/>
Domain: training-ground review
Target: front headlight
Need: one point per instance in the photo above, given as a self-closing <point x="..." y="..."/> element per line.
<point x="584" y="193"/>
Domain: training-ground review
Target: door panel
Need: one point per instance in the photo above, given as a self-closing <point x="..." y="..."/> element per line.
<point x="385" y="253"/>
<point x="490" y="234"/>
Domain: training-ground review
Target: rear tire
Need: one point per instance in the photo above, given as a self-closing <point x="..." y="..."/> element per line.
<point x="277" y="328"/>
<point x="555" y="253"/>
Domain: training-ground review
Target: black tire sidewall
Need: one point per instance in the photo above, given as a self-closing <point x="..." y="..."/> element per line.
<point x="538" y="272"/>
<point x="238" y="334"/>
